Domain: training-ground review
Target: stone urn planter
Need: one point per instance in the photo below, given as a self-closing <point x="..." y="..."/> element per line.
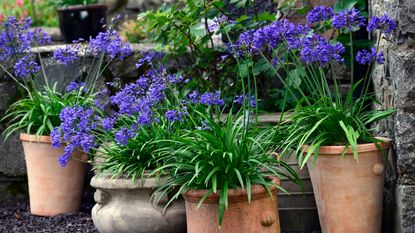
<point x="261" y="215"/>
<point x="124" y="206"/>
<point x="349" y="193"/>
<point x="81" y="21"/>
<point x="53" y="190"/>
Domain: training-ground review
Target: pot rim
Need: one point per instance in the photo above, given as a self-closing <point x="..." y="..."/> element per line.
<point x="105" y="181"/>
<point x="34" y="138"/>
<point x="365" y="147"/>
<point x="81" y="7"/>
<point x="234" y="195"/>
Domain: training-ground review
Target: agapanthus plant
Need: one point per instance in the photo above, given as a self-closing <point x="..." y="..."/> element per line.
<point x="124" y="138"/>
<point x="178" y="134"/>
<point x="303" y="58"/>
<point x="37" y="112"/>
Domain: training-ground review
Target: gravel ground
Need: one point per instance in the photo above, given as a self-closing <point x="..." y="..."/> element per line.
<point x="16" y="218"/>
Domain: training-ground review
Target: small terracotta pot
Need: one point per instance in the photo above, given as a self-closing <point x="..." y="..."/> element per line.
<point x="52" y="189"/>
<point x="261" y="215"/>
<point x="348" y="192"/>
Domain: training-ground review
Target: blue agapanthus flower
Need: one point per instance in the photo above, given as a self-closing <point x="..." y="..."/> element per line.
<point x="55" y="136"/>
<point x="123" y="135"/>
<point x="369" y="56"/>
<point x="244" y="45"/>
<point x="211" y="98"/>
<point x="249" y="99"/>
<point x="74" y="86"/>
<point x="384" y="23"/>
<point x="174" y="115"/>
<point x="270" y="37"/>
<point x="316" y="49"/>
<point x="67" y="55"/>
<point x="76" y="129"/>
<point x="150" y="58"/>
<point x="16" y="37"/>
<point x="25" y="66"/>
<point x="108" y="123"/>
<point x="111" y="44"/>
<point x="348" y="19"/>
<point x="320" y="13"/>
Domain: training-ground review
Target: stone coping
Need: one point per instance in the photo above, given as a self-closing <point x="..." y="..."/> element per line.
<point x="135" y="47"/>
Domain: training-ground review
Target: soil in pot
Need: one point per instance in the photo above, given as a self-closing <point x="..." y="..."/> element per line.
<point x="259" y="216"/>
<point x="53" y="190"/>
<point x="349" y="193"/>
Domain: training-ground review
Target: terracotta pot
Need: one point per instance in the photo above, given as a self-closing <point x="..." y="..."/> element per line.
<point x="52" y="189"/>
<point x="259" y="216"/>
<point x="124" y="206"/>
<point x="348" y="192"/>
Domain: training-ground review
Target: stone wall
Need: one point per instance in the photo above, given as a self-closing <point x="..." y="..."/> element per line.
<point x="12" y="164"/>
<point x="394" y="83"/>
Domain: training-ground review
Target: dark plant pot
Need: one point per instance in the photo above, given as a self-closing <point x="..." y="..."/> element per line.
<point x="81" y="21"/>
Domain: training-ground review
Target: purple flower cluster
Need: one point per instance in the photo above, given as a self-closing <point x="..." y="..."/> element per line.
<point x="56" y="138"/>
<point x="139" y="102"/>
<point x="41" y="37"/>
<point x="244" y="44"/>
<point x="250" y="100"/>
<point x="384" y="23"/>
<point x="208" y="98"/>
<point x="139" y="97"/>
<point x="175" y="78"/>
<point x="149" y="58"/>
<point x="174" y="115"/>
<point x="75" y="130"/>
<point x="369" y="56"/>
<point x="123" y="135"/>
<point x="16" y="38"/>
<point x="348" y="19"/>
<point x="316" y="49"/>
<point x="74" y="86"/>
<point x="272" y="35"/>
<point x="218" y="21"/>
<point x="108" y="123"/>
<point x="67" y="55"/>
<point x="111" y="44"/>
<point x="320" y="13"/>
<point x="25" y="66"/>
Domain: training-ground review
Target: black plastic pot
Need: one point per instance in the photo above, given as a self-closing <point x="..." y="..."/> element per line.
<point x="81" y="21"/>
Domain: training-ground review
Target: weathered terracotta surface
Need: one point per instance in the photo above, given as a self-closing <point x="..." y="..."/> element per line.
<point x="259" y="216"/>
<point x="52" y="189"/>
<point x="348" y="192"/>
<point x="124" y="206"/>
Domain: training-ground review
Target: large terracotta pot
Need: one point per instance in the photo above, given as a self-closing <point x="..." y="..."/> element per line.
<point x="124" y="206"/>
<point x="52" y="189"/>
<point x="348" y="192"/>
<point x="259" y="216"/>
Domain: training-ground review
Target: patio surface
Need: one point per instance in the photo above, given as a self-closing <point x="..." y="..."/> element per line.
<point x="16" y="218"/>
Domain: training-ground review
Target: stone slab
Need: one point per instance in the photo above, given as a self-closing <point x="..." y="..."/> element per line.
<point x="13" y="189"/>
<point x="12" y="162"/>
<point x="407" y="16"/>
